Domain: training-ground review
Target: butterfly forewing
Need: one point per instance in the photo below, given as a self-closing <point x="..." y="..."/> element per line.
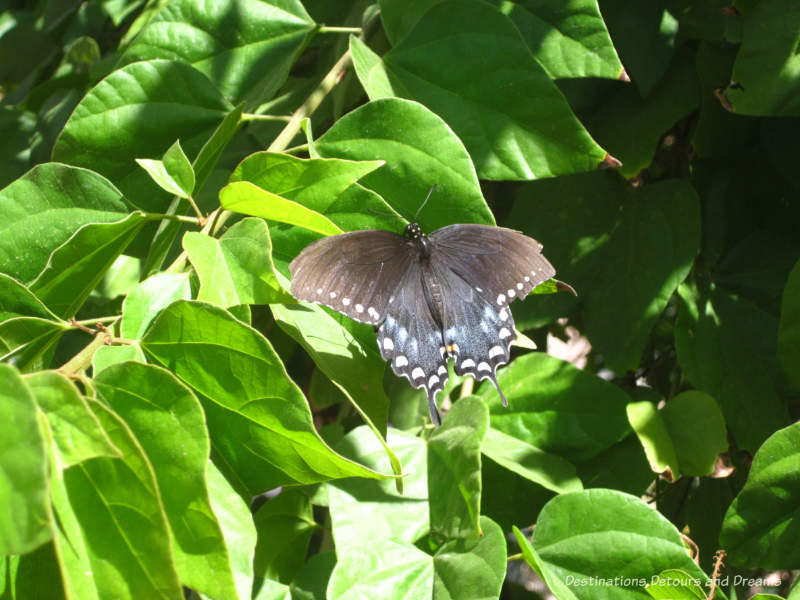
<point x="354" y="273"/>
<point x="411" y="339"/>
<point x="500" y="264"/>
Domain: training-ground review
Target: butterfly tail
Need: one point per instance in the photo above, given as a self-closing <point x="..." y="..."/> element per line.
<point x="435" y="418"/>
<point x="499" y="391"/>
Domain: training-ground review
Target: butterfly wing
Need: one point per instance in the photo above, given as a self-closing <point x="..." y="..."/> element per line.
<point x="481" y="269"/>
<point x="500" y="264"/>
<point x="411" y="338"/>
<point x="354" y="273"/>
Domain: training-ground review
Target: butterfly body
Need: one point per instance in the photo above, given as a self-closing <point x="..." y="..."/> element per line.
<point x="432" y="297"/>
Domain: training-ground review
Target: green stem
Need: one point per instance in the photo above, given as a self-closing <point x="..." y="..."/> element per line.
<point x="81" y="361"/>
<point x="325" y="29"/>
<point x="217" y="218"/>
<point x="254" y="117"/>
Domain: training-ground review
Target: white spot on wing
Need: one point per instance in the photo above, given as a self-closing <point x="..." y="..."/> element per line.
<point x="504" y="333"/>
<point x="417" y="373"/>
<point x="388" y="344"/>
<point x="400" y="361"/>
<point x="511" y="293"/>
<point x="468" y="363"/>
<point x="442" y="370"/>
<point x="519" y="286"/>
<point x="527" y="278"/>
<point x="319" y="291"/>
<point x="503" y="314"/>
<point x="484" y="366"/>
<point x="373" y="313"/>
<point x="346" y="301"/>
<point x="433" y="380"/>
<point x="332" y="295"/>
<point x="493" y="351"/>
<point x="501" y="298"/>
<point x="359" y="308"/>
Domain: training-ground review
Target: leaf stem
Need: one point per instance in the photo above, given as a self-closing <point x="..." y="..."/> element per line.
<point x="79" y="363"/>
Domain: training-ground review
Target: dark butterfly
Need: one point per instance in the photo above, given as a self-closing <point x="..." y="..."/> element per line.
<point x="433" y="296"/>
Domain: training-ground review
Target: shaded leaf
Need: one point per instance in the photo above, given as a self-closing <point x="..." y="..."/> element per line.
<point x="762" y="524"/>
<point x="557" y="408"/>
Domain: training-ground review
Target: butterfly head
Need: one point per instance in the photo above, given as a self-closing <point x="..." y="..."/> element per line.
<point x="413" y="231"/>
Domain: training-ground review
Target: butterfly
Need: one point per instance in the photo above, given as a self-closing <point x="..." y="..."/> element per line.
<point x="432" y="297"/>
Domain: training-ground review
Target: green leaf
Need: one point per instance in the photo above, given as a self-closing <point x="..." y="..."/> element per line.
<point x="631" y="127"/>
<point x="113" y="538"/>
<point x="23" y="468"/>
<point x="139" y="111"/>
<point x="674" y="584"/>
<point x="761" y="525"/>
<point x="106" y="356"/>
<point x="164" y="415"/>
<point x="76" y="433"/>
<point x="43" y="208"/>
<point x="16" y="300"/>
<point x="315" y="183"/>
<point x="548" y="470"/>
<point x="259" y="421"/>
<point x="236" y="520"/>
<point x="284" y="524"/>
<point x="237" y="268"/>
<point x="203" y="167"/>
<point x="343" y="350"/>
<point x="708" y="339"/>
<point x="422" y="150"/>
<point x="367" y="514"/>
<point x="613" y="528"/>
<point x="568" y="39"/>
<point x="456" y="61"/>
<point x="652" y="432"/>
<point x="245" y="49"/>
<point x="764" y="80"/>
<point x="789" y="329"/>
<point x="374" y="527"/>
<point x="79" y="264"/>
<point x="173" y="174"/>
<point x="246" y="198"/>
<point x="28" y="342"/>
<point x="554" y="584"/>
<point x="471" y="567"/>
<point x="557" y="408"/>
<point x="454" y="469"/>
<point x="147" y="299"/>
<point x="390" y="569"/>
<point x="697" y="430"/>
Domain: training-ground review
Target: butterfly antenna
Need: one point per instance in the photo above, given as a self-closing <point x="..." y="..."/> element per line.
<point x="419" y="210"/>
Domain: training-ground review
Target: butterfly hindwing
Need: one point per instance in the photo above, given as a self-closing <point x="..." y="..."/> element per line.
<point x="477" y="333"/>
<point x="412" y="340"/>
<point x="354" y="273"/>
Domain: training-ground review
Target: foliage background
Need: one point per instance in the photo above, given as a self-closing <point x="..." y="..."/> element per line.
<point x="650" y="146"/>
